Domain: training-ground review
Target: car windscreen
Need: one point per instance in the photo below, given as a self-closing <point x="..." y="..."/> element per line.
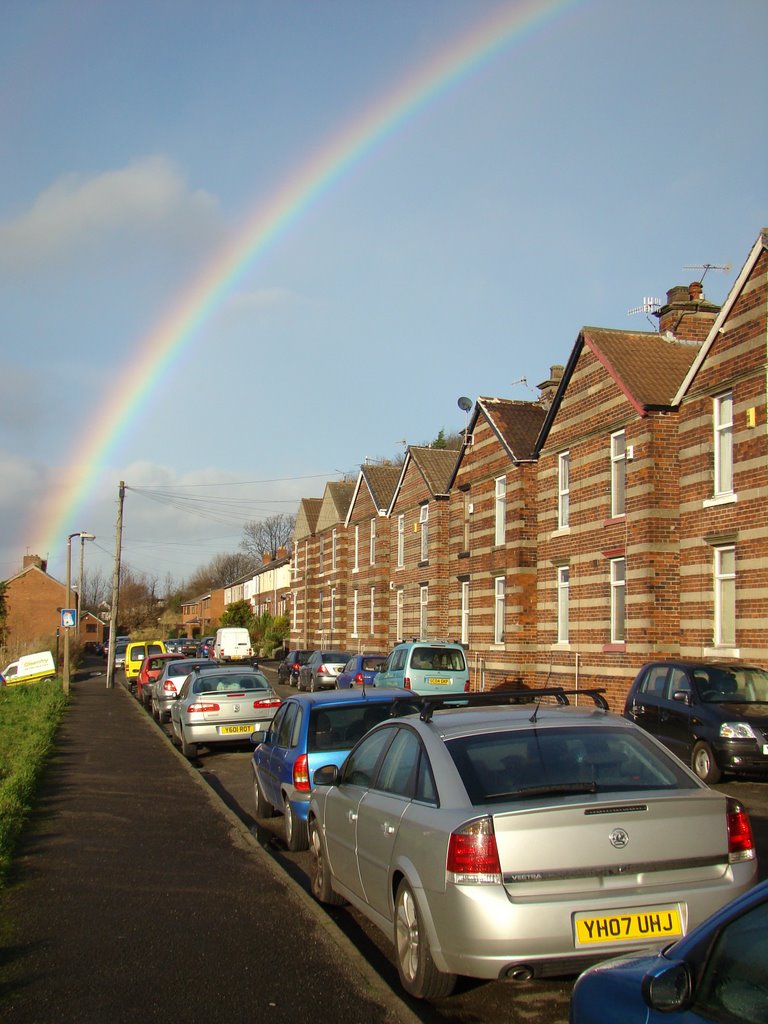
<point x="335" y="656"/>
<point x="372" y="664"/>
<point x="209" y="682"/>
<point x="339" y="728"/>
<point x="517" y="764"/>
<point x="181" y="668"/>
<point x="719" y="685"/>
<point x="438" y="659"/>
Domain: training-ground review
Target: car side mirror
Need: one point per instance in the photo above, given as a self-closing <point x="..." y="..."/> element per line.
<point x="669" y="988"/>
<point x="258" y="737"/>
<point x="683" y="696"/>
<point x="328" y="775"/>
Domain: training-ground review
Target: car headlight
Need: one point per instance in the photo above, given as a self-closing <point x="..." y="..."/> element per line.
<point x="737" y="731"/>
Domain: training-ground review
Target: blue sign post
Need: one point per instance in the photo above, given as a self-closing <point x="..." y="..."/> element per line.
<point x="68" y="618"/>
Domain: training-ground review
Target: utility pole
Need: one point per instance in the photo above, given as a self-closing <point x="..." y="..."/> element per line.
<point x="115" y="586"/>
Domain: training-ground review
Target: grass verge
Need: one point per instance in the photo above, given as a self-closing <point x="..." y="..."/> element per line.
<point x="29" y="715"/>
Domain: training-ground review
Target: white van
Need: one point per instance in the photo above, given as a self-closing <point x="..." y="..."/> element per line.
<point x="30" y="668"/>
<point x="233" y="643"/>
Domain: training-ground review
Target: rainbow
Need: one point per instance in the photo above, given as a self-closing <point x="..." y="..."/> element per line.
<point x="268" y="221"/>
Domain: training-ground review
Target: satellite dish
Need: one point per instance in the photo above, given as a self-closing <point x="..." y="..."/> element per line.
<point x="465" y="404"/>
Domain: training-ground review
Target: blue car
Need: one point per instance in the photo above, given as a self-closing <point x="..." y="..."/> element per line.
<point x="309" y="731"/>
<point x="718" y="973"/>
<point x="361" y="670"/>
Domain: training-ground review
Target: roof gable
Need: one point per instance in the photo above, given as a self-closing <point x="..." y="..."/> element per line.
<point x="335" y="504"/>
<point x="435" y="465"/>
<point x="306" y="518"/>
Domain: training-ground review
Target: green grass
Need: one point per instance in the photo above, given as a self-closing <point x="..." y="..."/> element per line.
<point x="29" y="715"/>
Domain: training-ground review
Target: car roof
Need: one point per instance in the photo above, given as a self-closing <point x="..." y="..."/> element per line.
<point x="373" y="695"/>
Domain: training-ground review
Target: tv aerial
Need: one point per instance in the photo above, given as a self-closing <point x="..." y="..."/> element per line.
<point x="725" y="267"/>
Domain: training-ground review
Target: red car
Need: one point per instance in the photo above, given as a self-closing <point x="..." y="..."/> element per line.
<point x="150" y="669"/>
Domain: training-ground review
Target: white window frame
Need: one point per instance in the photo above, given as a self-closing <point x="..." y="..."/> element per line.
<point x="295" y="610"/>
<point x="722" y="423"/>
<point x="295" y="564"/>
<point x="724" y="585"/>
<point x="563" y="602"/>
<point x="618" y="474"/>
<point x="333" y="611"/>
<point x="465" y="611"/>
<point x="500" y="506"/>
<point x="563" y="490"/>
<point x="467" y="516"/>
<point x="399" y="605"/>
<point x="320" y="611"/>
<point x="499" y="609"/>
<point x="354" y="612"/>
<point x="321" y="555"/>
<point x="333" y="549"/>
<point x="373" y="607"/>
<point x="356" y="553"/>
<point x="373" y="543"/>
<point x="618" y="577"/>
<point x="424" y="531"/>
<point x="400" y="541"/>
<point x="424" y="611"/>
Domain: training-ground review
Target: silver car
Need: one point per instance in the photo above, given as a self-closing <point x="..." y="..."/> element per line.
<point x="521" y="841"/>
<point x="168" y="684"/>
<point x="222" y="705"/>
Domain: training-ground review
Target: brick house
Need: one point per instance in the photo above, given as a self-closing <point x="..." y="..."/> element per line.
<point x="492" y="542"/>
<point x="301" y="573"/>
<point x="200" y="615"/>
<point x="418" y="545"/>
<point x="33" y="601"/>
<point x="609" y="502"/>
<point x="269" y="588"/>
<point x="722" y="440"/>
<point x="367" y="528"/>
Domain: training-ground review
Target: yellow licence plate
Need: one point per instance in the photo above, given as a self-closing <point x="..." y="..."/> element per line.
<point x="229" y="729"/>
<point x="632" y="925"/>
<point x="438" y="681"/>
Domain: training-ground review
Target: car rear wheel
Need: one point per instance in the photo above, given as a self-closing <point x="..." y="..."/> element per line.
<point x="320" y="878"/>
<point x="264" y="808"/>
<point x="703" y="763"/>
<point x="295" y="830"/>
<point x="188" y="749"/>
<point x="155" y="712"/>
<point x="418" y="974"/>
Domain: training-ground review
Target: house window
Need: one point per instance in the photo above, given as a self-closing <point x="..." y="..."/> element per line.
<point x="563" y="489"/>
<point x="618" y="600"/>
<point x="723" y="424"/>
<point x="333" y="549"/>
<point x="333" y="609"/>
<point x="296" y="613"/>
<point x="373" y="607"/>
<point x="725" y="596"/>
<point x="320" y="612"/>
<point x="373" y="542"/>
<point x="467" y="514"/>
<point x="296" y="563"/>
<point x="321" y="556"/>
<point x="354" y="613"/>
<point x="423" y="604"/>
<point x="400" y="541"/>
<point x="424" y="527"/>
<point x="501" y="510"/>
<point x="563" y="587"/>
<point x="399" y="616"/>
<point x="500" y="591"/>
<point x="618" y="473"/>
<point x="465" y="611"/>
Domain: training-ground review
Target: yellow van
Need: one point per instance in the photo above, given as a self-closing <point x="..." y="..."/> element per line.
<point x="137" y="651"/>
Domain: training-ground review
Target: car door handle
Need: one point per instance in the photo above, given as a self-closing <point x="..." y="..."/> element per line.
<point x="352" y="815"/>
<point x="387" y="829"/>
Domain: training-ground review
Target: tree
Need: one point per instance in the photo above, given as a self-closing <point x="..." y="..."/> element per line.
<point x="139" y="605"/>
<point x="239" y="613"/>
<point x="266" y="536"/>
<point x="222" y="570"/>
<point x="3" y="616"/>
<point x="97" y="590"/>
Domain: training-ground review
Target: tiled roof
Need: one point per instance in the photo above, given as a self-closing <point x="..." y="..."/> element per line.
<point x="648" y="367"/>
<point x="516" y="423"/>
<point x="381" y="481"/>
<point x="341" y="492"/>
<point x="436" y="466"/>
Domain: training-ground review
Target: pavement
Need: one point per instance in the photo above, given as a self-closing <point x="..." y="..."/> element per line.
<point x="136" y="895"/>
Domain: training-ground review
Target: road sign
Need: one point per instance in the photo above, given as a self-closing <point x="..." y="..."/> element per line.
<point x="68" y="617"/>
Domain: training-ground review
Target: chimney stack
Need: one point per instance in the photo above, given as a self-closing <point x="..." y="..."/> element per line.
<point x="687" y="314"/>
<point x="548" y="388"/>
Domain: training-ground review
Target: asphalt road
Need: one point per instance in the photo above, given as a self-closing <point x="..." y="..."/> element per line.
<point x="228" y="772"/>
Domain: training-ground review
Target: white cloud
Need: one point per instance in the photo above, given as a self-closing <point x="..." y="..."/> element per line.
<point x="148" y="196"/>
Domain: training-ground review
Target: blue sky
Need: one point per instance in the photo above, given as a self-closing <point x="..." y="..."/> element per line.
<point x="573" y="173"/>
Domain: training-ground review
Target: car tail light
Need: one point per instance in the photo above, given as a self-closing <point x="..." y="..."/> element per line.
<point x="359" y="679"/>
<point x="466" y="687"/>
<point x="169" y="687"/>
<point x="407" y="682"/>
<point x="321" y="670"/>
<point x="268" y="702"/>
<point x="296" y="666"/>
<point x="473" y="856"/>
<point x="196" y="709"/>
<point x="301" y="774"/>
<point x="741" y="843"/>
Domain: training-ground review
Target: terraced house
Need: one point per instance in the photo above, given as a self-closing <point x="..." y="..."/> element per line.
<point x="622" y="516"/>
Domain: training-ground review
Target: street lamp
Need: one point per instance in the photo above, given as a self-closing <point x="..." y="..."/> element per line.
<point x="86" y="536"/>
<point x="83" y="538"/>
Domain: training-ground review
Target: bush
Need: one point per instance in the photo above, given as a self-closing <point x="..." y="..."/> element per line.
<point x="29" y="715"/>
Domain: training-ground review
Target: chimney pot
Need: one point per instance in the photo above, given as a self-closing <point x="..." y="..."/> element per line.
<point x="695" y="290"/>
